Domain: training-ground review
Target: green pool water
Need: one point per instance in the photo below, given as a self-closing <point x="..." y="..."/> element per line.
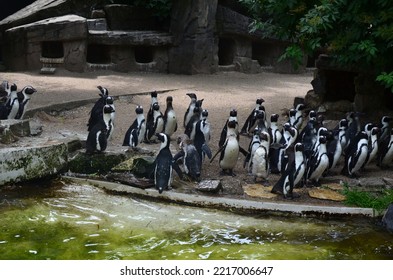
<point x="62" y="221"/>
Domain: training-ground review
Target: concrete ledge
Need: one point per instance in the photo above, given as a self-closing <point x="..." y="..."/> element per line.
<point x="232" y="204"/>
<point x="28" y="163"/>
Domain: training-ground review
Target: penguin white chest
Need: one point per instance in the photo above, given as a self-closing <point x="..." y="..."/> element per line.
<point x="171" y="123"/>
<point x="387" y="159"/>
<point x="260" y="163"/>
<point x="231" y="153"/>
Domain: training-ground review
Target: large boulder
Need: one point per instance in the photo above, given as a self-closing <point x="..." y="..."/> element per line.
<point x="387" y="219"/>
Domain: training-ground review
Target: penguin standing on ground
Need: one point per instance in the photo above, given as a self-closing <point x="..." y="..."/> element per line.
<point x="11" y="107"/>
<point x="298" y="120"/>
<point x="97" y="139"/>
<point x="164" y="164"/>
<point x="232" y="118"/>
<point x="96" y="111"/>
<point x="318" y="162"/>
<point x="260" y="159"/>
<point x="356" y="154"/>
<point x="191" y="125"/>
<point x="385" y="127"/>
<point x="252" y="147"/>
<point x="308" y="136"/>
<point x="202" y="137"/>
<point x="190" y="110"/>
<point x="300" y="165"/>
<point x="251" y="119"/>
<point x="335" y="146"/>
<point x="170" y="120"/>
<point x="192" y="163"/>
<point x="385" y="151"/>
<point x="153" y="100"/>
<point x="136" y="132"/>
<point x="372" y="145"/>
<point x="229" y="151"/>
<point x="5" y="90"/>
<point x="273" y="130"/>
<point x="24" y="97"/>
<point x="155" y="125"/>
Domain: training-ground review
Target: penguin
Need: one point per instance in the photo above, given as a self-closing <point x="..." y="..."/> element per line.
<point x="252" y="146"/>
<point x="372" y="145"/>
<point x="322" y="131"/>
<point x="190" y="110"/>
<point x="97" y="139"/>
<point x="191" y="125"/>
<point x="385" y="151"/>
<point x="11" y="107"/>
<point x="300" y="165"/>
<point x="318" y="162"/>
<point x="353" y="127"/>
<point x="298" y="120"/>
<point x="136" y="132"/>
<point x="202" y="136"/>
<point x="170" y="120"/>
<point x="251" y="119"/>
<point x="192" y="162"/>
<point x="285" y="183"/>
<point x="232" y="117"/>
<point x="155" y="125"/>
<point x="260" y="122"/>
<point x="385" y="127"/>
<point x="335" y="146"/>
<point x="163" y="164"/>
<point x="260" y="159"/>
<point x="96" y="110"/>
<point x="153" y="100"/>
<point x="24" y="97"/>
<point x="356" y="154"/>
<point x="229" y="151"/>
<point x="5" y="90"/>
<point x="273" y="130"/>
<point x="292" y="116"/>
<point x="308" y="136"/>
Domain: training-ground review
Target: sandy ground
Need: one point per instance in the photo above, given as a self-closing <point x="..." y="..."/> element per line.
<point x="221" y="92"/>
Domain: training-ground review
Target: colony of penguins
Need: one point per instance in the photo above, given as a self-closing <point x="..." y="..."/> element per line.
<point x="13" y="103"/>
<point x="300" y="152"/>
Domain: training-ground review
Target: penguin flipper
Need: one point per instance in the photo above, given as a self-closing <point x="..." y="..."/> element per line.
<point x="206" y="150"/>
<point x="178" y="156"/>
<point x="243" y="151"/>
<point x="219" y="151"/>
<point x="176" y="167"/>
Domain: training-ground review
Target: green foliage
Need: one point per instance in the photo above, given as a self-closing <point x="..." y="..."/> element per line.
<point x="353" y="32"/>
<point x="365" y="199"/>
<point x="293" y="53"/>
<point x="386" y="79"/>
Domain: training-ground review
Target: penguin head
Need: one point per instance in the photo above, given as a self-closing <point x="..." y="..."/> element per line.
<point x="164" y="139"/>
<point x="155" y="106"/>
<point x="375" y="130"/>
<point x="322" y="139"/>
<point x="199" y="103"/>
<point x="108" y="109"/>
<point x="300" y="107"/>
<point x="169" y="99"/>
<point x="312" y="114"/>
<point x="299" y="147"/>
<point x="197" y="110"/>
<point x="153" y="94"/>
<point x="205" y="113"/>
<point x="109" y="100"/>
<point x="292" y="112"/>
<point x="259" y="101"/>
<point x="233" y="113"/>
<point x="232" y="124"/>
<point x="13" y="87"/>
<point x="264" y="136"/>
<point x="386" y="119"/>
<point x="192" y="95"/>
<point x="103" y="90"/>
<point x="322" y="131"/>
<point x="260" y="115"/>
<point x="139" y="110"/>
<point x="29" y="90"/>
<point x="343" y="123"/>
<point x="274" y="118"/>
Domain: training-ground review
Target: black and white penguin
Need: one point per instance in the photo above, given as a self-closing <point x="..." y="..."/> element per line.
<point x="163" y="164"/>
<point x="96" y="111"/>
<point x="335" y="145"/>
<point x="229" y="151"/>
<point x="298" y="120"/>
<point x="260" y="159"/>
<point x="170" y="120"/>
<point x="292" y="116"/>
<point x="251" y="119"/>
<point x="192" y="162"/>
<point x="385" y="151"/>
<point x="373" y="145"/>
<point x="191" y="125"/>
<point x="353" y="127"/>
<point x="252" y="146"/>
<point x="356" y="154"/>
<point x="273" y="130"/>
<point x="308" y="136"/>
<point x="24" y="97"/>
<point x="322" y="131"/>
<point x="285" y="183"/>
<point x="279" y="154"/>
<point x="136" y="132"/>
<point x="155" y="125"/>
<point x="153" y="100"/>
<point x="202" y="136"/>
<point x="97" y="139"/>
<point x="5" y="90"/>
<point x="318" y="162"/>
<point x="300" y="165"/>
<point x="11" y="107"/>
<point x="260" y="122"/>
<point x="385" y="127"/>
<point x="223" y="135"/>
<point x="190" y="110"/>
